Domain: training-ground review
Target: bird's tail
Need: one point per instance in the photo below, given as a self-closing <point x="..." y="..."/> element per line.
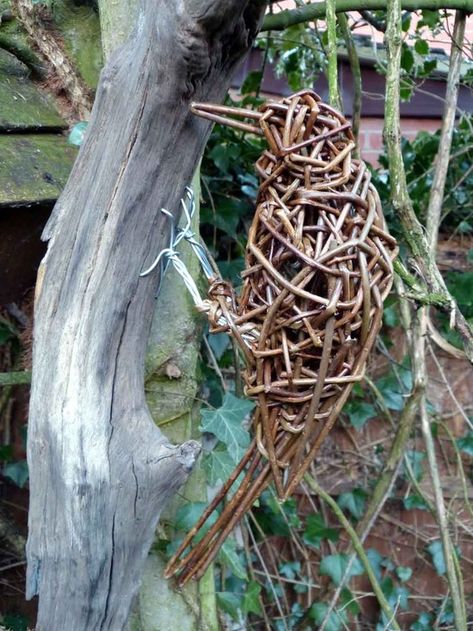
<point x="196" y="552"/>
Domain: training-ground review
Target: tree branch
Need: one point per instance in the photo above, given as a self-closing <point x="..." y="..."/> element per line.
<point x="417" y="335"/>
<point x="317" y="10"/>
<point x="437" y="191"/>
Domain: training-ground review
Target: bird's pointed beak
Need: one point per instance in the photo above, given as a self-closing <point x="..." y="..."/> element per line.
<point x="223" y="115"/>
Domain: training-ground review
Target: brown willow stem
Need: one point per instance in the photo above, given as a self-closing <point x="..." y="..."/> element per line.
<point x="445" y="143"/>
<point x="356" y="75"/>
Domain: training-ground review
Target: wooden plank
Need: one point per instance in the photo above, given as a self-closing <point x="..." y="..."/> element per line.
<point x="22" y="105"/>
<point x="33" y="167"/>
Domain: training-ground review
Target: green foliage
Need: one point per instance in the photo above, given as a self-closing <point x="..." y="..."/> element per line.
<point x="297" y="54"/>
<point x="316" y="531"/>
<point x="403" y="573"/>
<point x="226" y="423"/>
<point x="359" y="412"/>
<point x="337" y="620"/>
<point x="414" y="501"/>
<point x="354" y="502"/>
<point x="17" y="472"/>
<point x="335" y="565"/>
<point x="419" y="157"/>
<point x="435" y="550"/>
<point x="465" y="443"/>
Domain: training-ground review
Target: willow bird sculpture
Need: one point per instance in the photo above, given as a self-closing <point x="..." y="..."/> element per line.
<point x="318" y="268"/>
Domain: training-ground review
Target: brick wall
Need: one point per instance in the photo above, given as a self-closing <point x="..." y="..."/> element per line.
<point x="371" y="134"/>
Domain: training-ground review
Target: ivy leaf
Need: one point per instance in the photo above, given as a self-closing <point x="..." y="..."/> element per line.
<point x="436" y="552"/>
<point x="316" y="530"/>
<point x="353" y="502"/>
<point x="359" y="412"/>
<point x="290" y="569"/>
<point x="350" y="603"/>
<point x="251" y="603"/>
<point x="423" y="622"/>
<point x="219" y="343"/>
<point x="336" y="620"/>
<point x="403" y="573"/>
<point x="230" y="603"/>
<point x="415" y="459"/>
<point x="334" y="565"/>
<point x="189" y="514"/>
<point x="218" y="466"/>
<point x="226" y="424"/>
<point x="17" y="472"/>
<point x="229" y="555"/>
<point x="466" y="443"/>
<point x="414" y="501"/>
<point x="376" y="561"/>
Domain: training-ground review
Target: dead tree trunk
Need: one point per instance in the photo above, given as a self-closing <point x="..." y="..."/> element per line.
<point x="100" y="471"/>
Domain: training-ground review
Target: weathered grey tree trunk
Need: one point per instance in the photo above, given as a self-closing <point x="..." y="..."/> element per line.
<point x="100" y="470"/>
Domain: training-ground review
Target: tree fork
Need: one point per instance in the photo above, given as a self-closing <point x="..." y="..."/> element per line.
<point x="100" y="470"/>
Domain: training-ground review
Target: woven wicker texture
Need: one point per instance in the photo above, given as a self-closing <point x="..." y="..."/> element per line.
<point x="318" y="267"/>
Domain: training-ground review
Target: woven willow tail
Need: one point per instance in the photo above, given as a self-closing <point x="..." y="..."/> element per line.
<point x="318" y="268"/>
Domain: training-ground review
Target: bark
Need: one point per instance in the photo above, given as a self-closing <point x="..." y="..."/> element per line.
<point x="100" y="470"/>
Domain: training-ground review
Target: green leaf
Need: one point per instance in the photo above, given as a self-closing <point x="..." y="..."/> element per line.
<point x="403" y="573"/>
<point x="423" y="622"/>
<point x="429" y="18"/>
<point x="407" y="58"/>
<point x="228" y="554"/>
<point x="359" y="412"/>
<point x="391" y="316"/>
<point x="414" y="501"/>
<point x="436" y="552"/>
<point x="316" y="530"/>
<point x="218" y="342"/>
<point x="290" y="569"/>
<point x="6" y="333"/>
<point x="6" y="452"/>
<point x="17" y="472"/>
<point x="77" y="133"/>
<point x="252" y="82"/>
<point x="466" y="443"/>
<point x="189" y="514"/>
<point x="396" y="595"/>
<point x="349" y="602"/>
<point x="336" y="621"/>
<point x="353" y="502"/>
<point x="251" y="603"/>
<point x="218" y="466"/>
<point x="334" y="565"/>
<point x="376" y="561"/>
<point x="230" y="603"/>
<point x="226" y="424"/>
<point x="421" y="47"/>
<point x="415" y="459"/>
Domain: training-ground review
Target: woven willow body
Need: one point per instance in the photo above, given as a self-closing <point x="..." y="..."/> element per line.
<point x="318" y="268"/>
